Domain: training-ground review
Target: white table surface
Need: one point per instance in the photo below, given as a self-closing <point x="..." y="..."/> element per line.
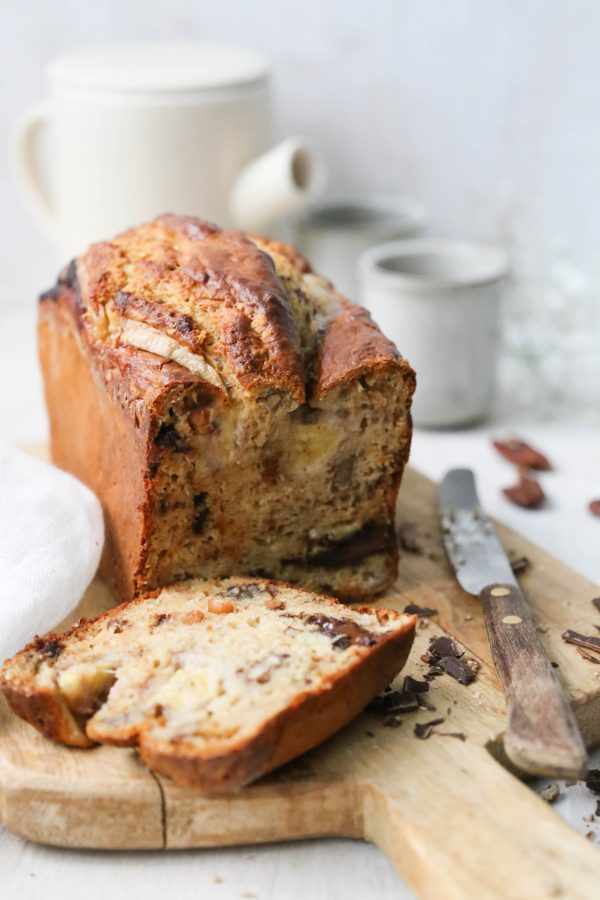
<point x="327" y="869"/>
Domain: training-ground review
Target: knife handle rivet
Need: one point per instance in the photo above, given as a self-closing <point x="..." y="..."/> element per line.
<point x="512" y="620"/>
<point x="499" y="592"/>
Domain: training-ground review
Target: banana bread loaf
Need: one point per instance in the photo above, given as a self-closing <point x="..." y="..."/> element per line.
<point x="217" y="683"/>
<point x="234" y="414"/>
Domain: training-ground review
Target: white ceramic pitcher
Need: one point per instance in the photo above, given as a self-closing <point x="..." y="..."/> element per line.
<point x="135" y="131"/>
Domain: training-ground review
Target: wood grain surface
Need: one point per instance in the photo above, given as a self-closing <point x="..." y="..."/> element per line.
<point x="449" y="813"/>
<point x="541" y="735"/>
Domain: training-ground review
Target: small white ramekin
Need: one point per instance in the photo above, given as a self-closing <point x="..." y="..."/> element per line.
<point x="439" y="301"/>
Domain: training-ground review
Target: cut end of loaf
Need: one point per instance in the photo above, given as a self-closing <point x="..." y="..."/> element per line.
<point x="216" y="683"/>
<point x="301" y="493"/>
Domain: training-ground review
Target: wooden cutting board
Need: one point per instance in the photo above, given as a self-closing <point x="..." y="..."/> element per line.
<point x="450" y="815"/>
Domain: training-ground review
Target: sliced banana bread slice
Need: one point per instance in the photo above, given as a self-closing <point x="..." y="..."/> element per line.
<point x="216" y="682"/>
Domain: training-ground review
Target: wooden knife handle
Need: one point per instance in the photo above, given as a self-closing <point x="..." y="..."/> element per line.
<point x="542" y="736"/>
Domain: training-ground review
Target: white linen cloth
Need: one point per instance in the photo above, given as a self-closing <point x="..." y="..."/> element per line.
<point x="51" y="537"/>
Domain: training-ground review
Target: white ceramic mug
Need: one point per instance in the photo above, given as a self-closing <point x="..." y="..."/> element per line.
<point x="439" y="301"/>
<point x="333" y="233"/>
<point x="139" y="130"/>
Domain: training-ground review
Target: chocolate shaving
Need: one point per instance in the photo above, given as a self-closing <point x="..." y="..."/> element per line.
<point x="432" y="673"/>
<point x="424" y="730"/>
<point x="527" y="493"/>
<point x="407" y="538"/>
<point x="594" y="507"/>
<point x="596" y="602"/>
<point x="394" y="702"/>
<point x="408" y="699"/>
<point x="455" y="734"/>
<point x="586" y="655"/>
<point x="520" y="565"/>
<point x="404" y="701"/>
<point x="581" y="640"/>
<point x="522" y="454"/>
<point x="592" y="781"/>
<point x="412" y="684"/>
<point x="458" y="669"/>
<point x="421" y="611"/>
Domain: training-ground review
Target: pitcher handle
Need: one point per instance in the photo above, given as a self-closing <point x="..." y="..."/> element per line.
<point x="25" y="141"/>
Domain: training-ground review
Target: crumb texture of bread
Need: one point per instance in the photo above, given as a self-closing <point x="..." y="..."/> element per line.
<point x="233" y="412"/>
<point x="217" y="683"/>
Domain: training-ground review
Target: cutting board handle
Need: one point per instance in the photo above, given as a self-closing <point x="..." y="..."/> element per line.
<point x="480" y="833"/>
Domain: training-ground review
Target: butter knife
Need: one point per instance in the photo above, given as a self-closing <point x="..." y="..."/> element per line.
<point x="542" y="736"/>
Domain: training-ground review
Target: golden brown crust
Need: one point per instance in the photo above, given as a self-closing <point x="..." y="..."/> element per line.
<point x="219" y="293"/>
<point x="48" y="713"/>
<point x="353" y="346"/>
<point x="213" y="290"/>
<point x="116" y="389"/>
<point x="286" y="250"/>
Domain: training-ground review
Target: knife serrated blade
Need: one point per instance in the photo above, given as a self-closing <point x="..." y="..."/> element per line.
<point x="470" y="539"/>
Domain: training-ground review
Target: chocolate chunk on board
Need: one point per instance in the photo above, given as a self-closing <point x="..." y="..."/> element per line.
<point x="458" y="669"/>
<point x="441" y="647"/>
<point x="422" y="612"/>
<point x="590" y="642"/>
<point x="454" y="734"/>
<point x="592" y="781"/>
<point x="394" y="702"/>
<point x="405" y="701"/>
<point x="415" y="686"/>
<point x="424" y="730"/>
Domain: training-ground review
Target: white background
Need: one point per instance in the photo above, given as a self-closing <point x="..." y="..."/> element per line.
<point x="487" y="111"/>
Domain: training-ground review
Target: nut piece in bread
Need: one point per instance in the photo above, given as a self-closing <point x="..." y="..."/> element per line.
<point x="216" y="683"/>
<point x="233" y="413"/>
